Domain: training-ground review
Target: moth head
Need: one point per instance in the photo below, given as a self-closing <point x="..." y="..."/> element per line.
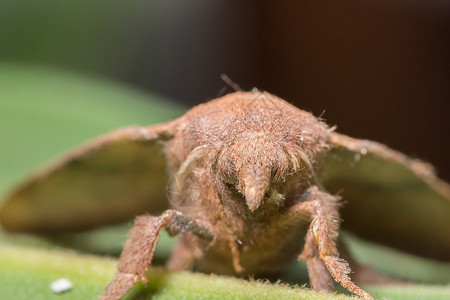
<point x="257" y="174"/>
<point x="251" y="172"/>
<point x="254" y="140"/>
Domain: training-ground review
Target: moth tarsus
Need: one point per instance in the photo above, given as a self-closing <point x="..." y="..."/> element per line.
<point x="254" y="183"/>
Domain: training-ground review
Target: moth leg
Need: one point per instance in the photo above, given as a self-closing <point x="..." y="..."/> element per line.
<point x="217" y="215"/>
<point x="319" y="276"/>
<point x="320" y="250"/>
<point x="139" y="249"/>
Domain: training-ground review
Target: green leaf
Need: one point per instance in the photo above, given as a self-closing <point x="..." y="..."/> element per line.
<point x="27" y="274"/>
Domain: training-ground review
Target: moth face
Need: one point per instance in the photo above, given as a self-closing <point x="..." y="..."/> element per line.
<point x="254" y="189"/>
<point x="258" y="175"/>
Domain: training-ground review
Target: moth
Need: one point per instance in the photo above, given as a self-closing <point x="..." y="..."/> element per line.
<point x="254" y="183"/>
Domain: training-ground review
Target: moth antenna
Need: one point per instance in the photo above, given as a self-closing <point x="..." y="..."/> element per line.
<point x="304" y="158"/>
<point x="321" y="115"/>
<point x="231" y="83"/>
<point x="332" y="128"/>
<point x="188" y="165"/>
<point x="221" y="92"/>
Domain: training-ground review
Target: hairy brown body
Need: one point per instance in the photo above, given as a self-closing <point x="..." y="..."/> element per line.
<point x="245" y="191"/>
<point x="253" y="185"/>
<point x="232" y="135"/>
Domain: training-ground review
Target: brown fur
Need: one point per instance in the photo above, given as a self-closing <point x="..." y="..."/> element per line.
<point x="245" y="178"/>
<point x="252" y="181"/>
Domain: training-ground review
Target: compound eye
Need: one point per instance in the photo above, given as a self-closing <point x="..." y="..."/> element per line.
<point x="230" y="179"/>
<point x="228" y="173"/>
<point x="278" y="179"/>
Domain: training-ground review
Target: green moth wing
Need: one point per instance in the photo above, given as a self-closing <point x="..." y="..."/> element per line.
<point x="110" y="179"/>
<point x="388" y="197"/>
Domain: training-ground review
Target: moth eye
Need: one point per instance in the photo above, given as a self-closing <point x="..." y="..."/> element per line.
<point x="230" y="183"/>
<point x="230" y="179"/>
<point x="278" y="179"/>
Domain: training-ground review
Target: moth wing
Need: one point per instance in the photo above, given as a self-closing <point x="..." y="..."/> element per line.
<point x="110" y="179"/>
<point x="388" y="197"/>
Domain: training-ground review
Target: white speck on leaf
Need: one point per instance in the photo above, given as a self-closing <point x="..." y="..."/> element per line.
<point x="61" y="285"/>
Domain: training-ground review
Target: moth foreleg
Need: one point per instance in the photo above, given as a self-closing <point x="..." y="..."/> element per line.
<point x="140" y="247"/>
<point x="319" y="276"/>
<point x="320" y="250"/>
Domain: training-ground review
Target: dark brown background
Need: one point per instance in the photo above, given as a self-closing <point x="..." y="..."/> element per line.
<point x="380" y="69"/>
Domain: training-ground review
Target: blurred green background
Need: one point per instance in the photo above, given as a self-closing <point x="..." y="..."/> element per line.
<point x="75" y="69"/>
